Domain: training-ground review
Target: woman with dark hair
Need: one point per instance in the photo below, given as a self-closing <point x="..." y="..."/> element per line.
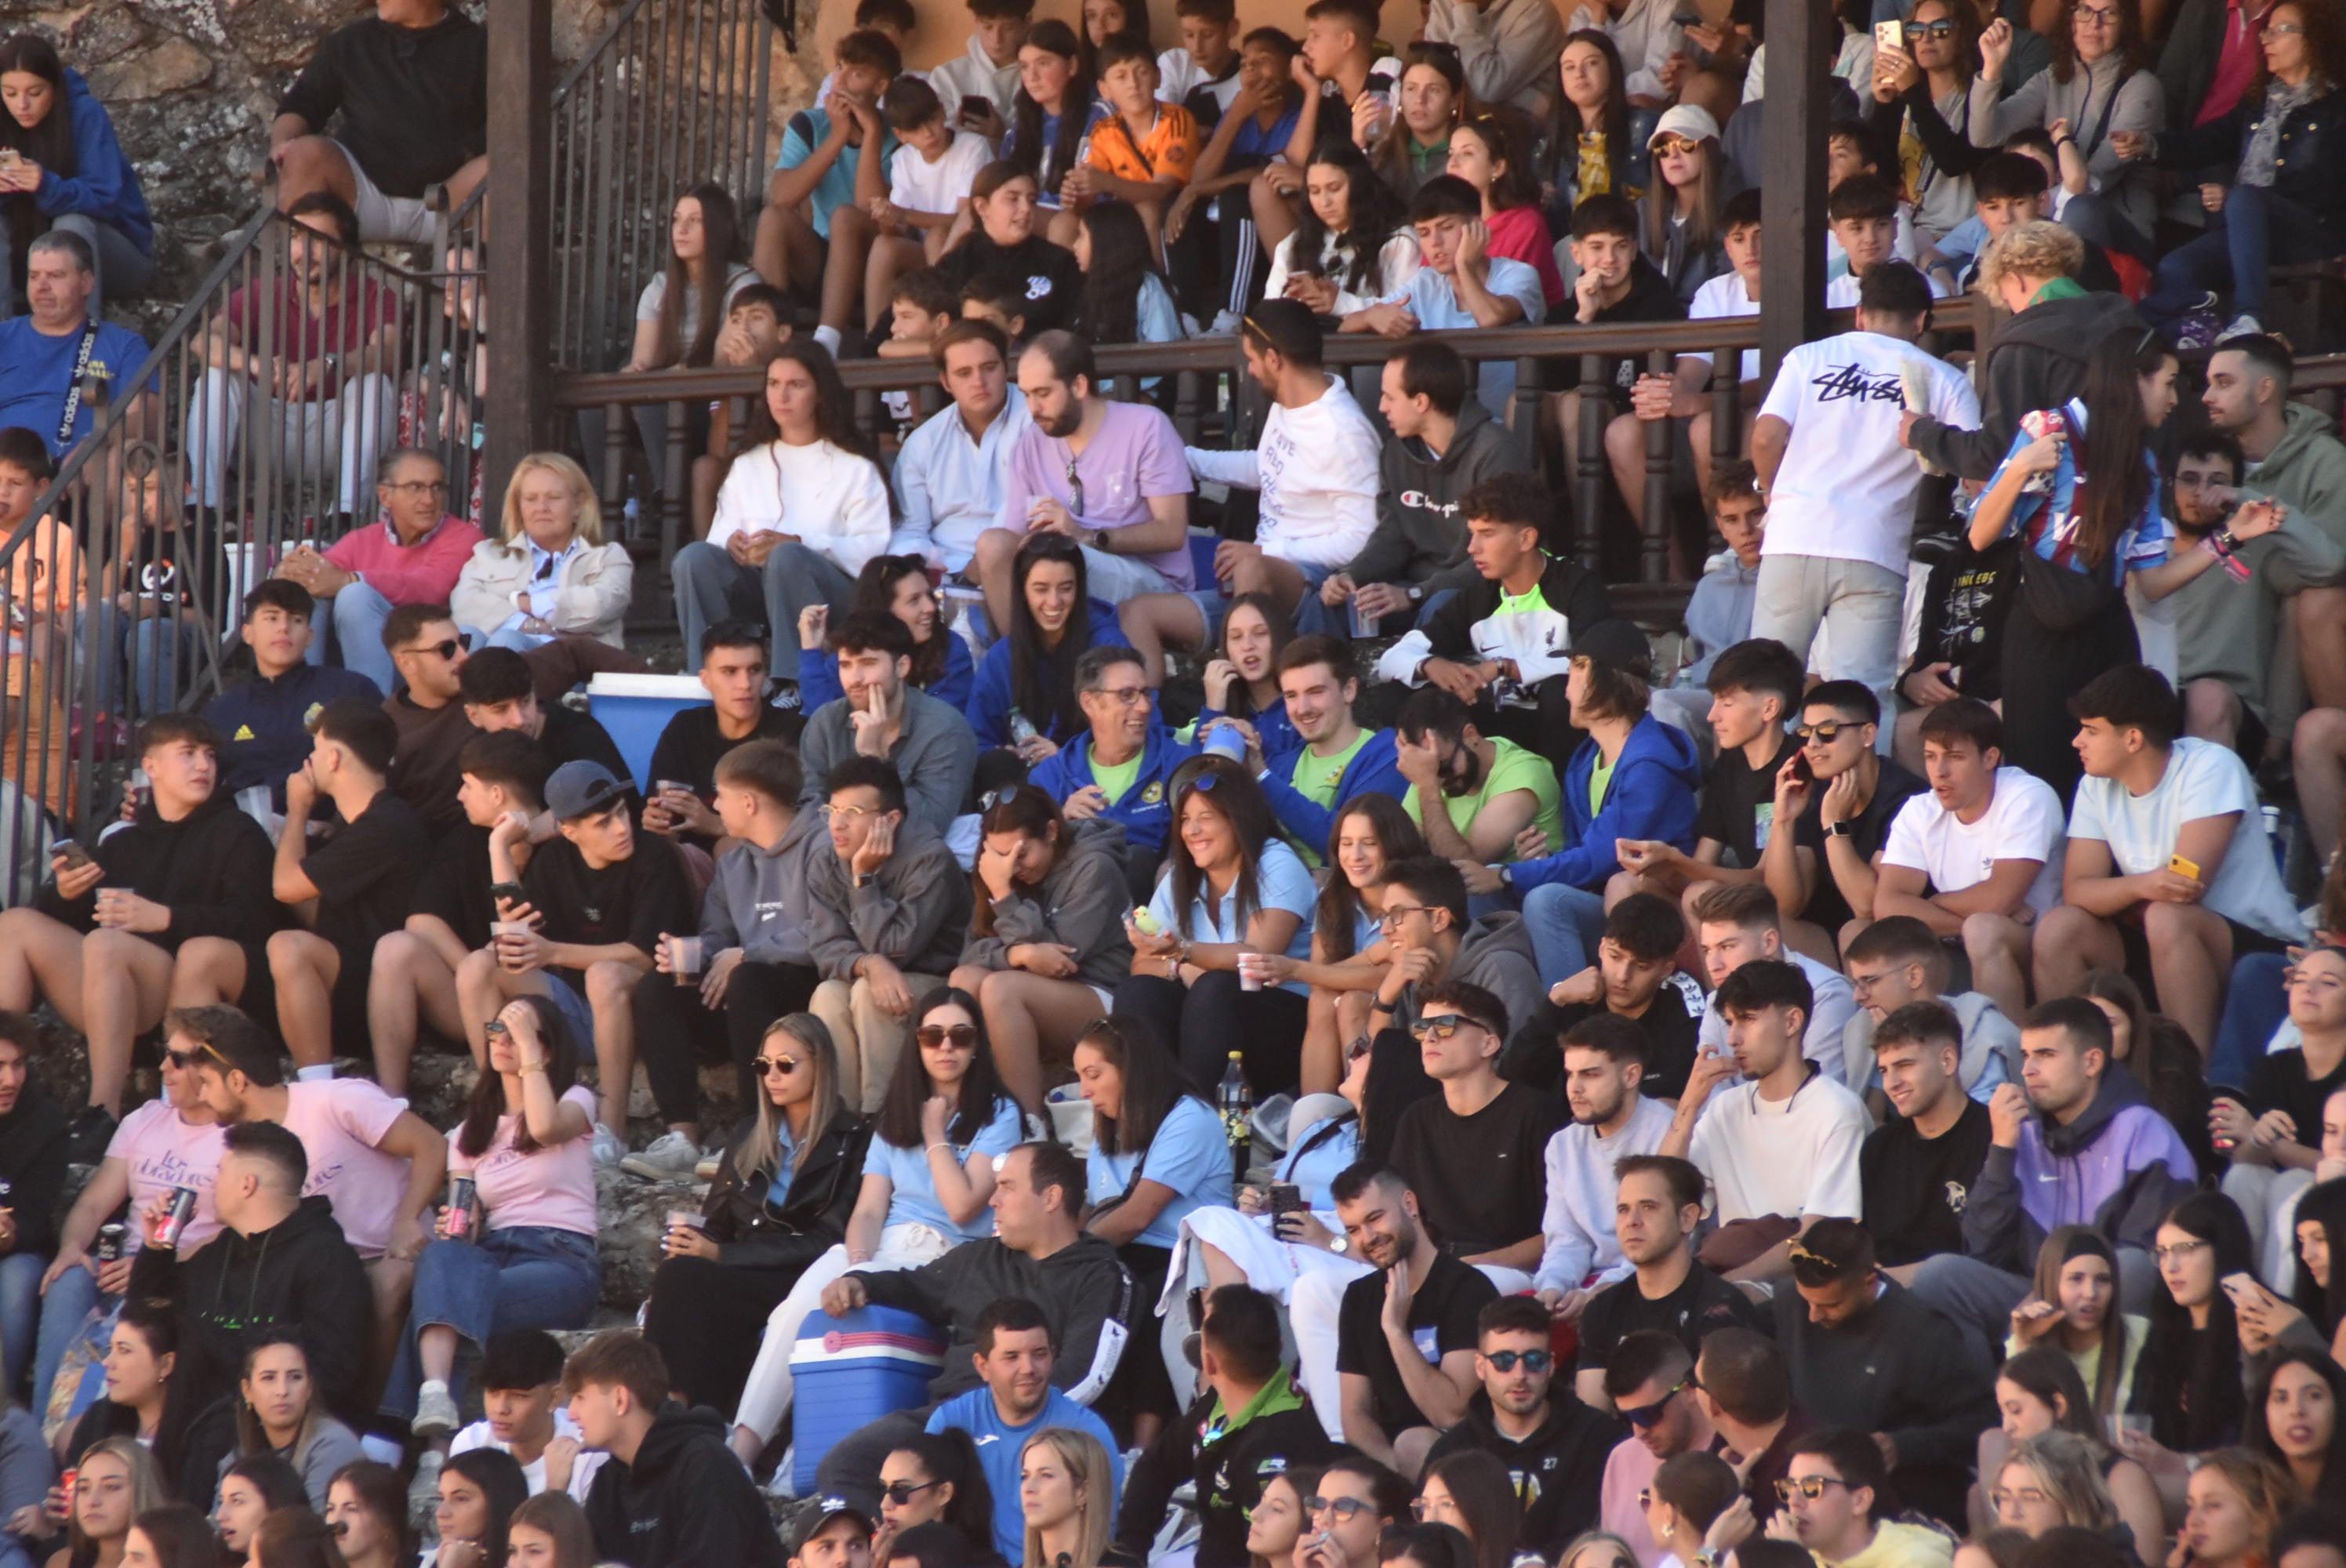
<point x="1430" y="1543"/>
<point x="2039" y="1390"/>
<point x="1242" y="678"/>
<point x="682" y="309"/>
<point x="928" y="1174"/>
<point x="1045" y="948"/>
<point x="1690" y="1490"/>
<point x="1352" y="245"/>
<point x="1487" y="154"/>
<point x="784" y="1189"/>
<point x="177" y="1536"/>
<point x="2074" y="1309"/>
<point x="366" y="1506"/>
<point x="1429" y="100"/>
<point x="141" y="1354"/>
<point x="2320" y="1232"/>
<point x="2083" y="499"/>
<point x="898" y="586"/>
<point x="2098" y="91"/>
<point x="299" y="1538"/>
<point x="1278" y="1524"/>
<point x="1370" y="833"/>
<point x="1056" y="104"/>
<point x="479" y="1490"/>
<point x="254" y="1487"/>
<point x="1997" y="1548"/>
<point x="1029" y="673"/>
<point x="2272" y="1131"/>
<point x="1922" y="102"/>
<point x="1595" y="143"/>
<point x="2188" y="1381"/>
<point x="1125" y="299"/>
<point x="62" y="166"/>
<point x="1000" y="239"/>
<point x="1104" y="19"/>
<point x="934" y="1479"/>
<point x="1681" y="230"/>
<point x="2159" y="1052"/>
<point x="1471" y="1492"/>
<point x="549" y="1531"/>
<point x="2293" y="1421"/>
<point x="1235" y="889"/>
<point x="800" y="510"/>
<point x="277" y="1412"/>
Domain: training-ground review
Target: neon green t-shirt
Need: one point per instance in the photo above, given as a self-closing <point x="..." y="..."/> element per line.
<point x="1117" y="782"/>
<point x="1512" y="768"/>
<point x="1315" y="779"/>
<point x="1600" y="780"/>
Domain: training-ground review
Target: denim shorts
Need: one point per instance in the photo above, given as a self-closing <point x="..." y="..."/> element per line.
<point x="572" y="1004"/>
<point x="1214" y="602"/>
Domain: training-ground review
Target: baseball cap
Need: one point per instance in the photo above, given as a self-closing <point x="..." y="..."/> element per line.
<point x="1688" y="120"/>
<point x="1617" y="643"/>
<point x="581" y="789"/>
<point x="816" y="1513"/>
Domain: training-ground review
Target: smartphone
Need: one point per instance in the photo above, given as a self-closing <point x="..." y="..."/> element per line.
<point x="2239" y="1287"/>
<point x="2183" y="868"/>
<point x="1889" y="35"/>
<point x="975" y="109"/>
<point x="71" y="852"/>
<point x="508" y="892"/>
<point x="1802" y="767"/>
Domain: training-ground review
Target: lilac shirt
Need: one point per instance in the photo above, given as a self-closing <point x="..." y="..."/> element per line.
<point x="1134" y="454"/>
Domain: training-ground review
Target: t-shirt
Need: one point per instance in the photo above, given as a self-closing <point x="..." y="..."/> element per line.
<point x="912" y="1191"/>
<point x="1869" y="831"/>
<point x="1433" y="299"/>
<point x="999" y="1444"/>
<point x="1722" y="296"/>
<point x="455" y="885"/>
<point x="365" y="877"/>
<point x="284" y="319"/>
<point x="1053" y="283"/>
<point x="1168" y="150"/>
<point x="1915" y="1188"/>
<point x="1441" y="1317"/>
<point x="1316" y="778"/>
<point x="1282" y="882"/>
<point x="2282" y="1081"/>
<point x="1189" y="1154"/>
<point x="1514" y="768"/>
<point x="1134" y="454"/>
<point x="582" y="1468"/>
<point x="632" y="900"/>
<point x="338" y="1121"/>
<point x="2022" y="822"/>
<point x="161" y="1149"/>
<point x="1670" y="1023"/>
<point x="691" y="746"/>
<point x="688" y="315"/>
<point x="2202" y="779"/>
<point x="36" y="372"/>
<point x="809" y="129"/>
<point x="1789" y="1157"/>
<point x="1116" y="778"/>
<point x="916" y="185"/>
<point x="1480" y="1180"/>
<point x="1702" y="1302"/>
<point x="552" y="1188"/>
<point x="1739" y="803"/>
<point x="1846" y="490"/>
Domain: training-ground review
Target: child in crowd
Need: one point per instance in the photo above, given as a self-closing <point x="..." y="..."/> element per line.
<point x="927" y="187"/>
<point x="1719" y="612"/>
<point x="1460" y="285"/>
<point x="1144" y="152"/>
<point x="1202" y="74"/>
<point x="995" y="298"/>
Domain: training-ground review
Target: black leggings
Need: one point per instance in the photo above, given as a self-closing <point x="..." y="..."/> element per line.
<point x="1207" y="1021"/>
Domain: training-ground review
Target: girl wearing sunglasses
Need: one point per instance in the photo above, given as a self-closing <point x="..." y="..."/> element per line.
<point x="527" y="1258"/>
<point x="1923" y="91"/>
<point x="934" y="1480"/>
<point x="784" y="1193"/>
<point x="1681" y="234"/>
<point x="928" y="1173"/>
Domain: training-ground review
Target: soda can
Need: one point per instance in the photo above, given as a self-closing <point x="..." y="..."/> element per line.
<point x="463" y="1204"/>
<point x="111" y="1240"/>
<point x="174" y="1218"/>
<point x="66" y="1485"/>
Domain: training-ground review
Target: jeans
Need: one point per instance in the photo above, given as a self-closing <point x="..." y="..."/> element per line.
<point x="332" y="440"/>
<point x="2096" y="219"/>
<point x="2254" y="1006"/>
<point x="64" y="1310"/>
<point x="525" y="1276"/>
<point x="123" y="270"/>
<point x="1864" y="604"/>
<point x="2267" y="1197"/>
<point x="2255" y="230"/>
<point x="157" y="651"/>
<point x="356" y="613"/>
<point x="1566" y="925"/>
<point x="20" y="1310"/>
<point x="711" y="586"/>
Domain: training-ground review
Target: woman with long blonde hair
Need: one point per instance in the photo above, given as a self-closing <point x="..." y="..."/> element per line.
<point x="117" y="1483"/>
<point x="1067" y="1491"/>
<point x="549" y="571"/>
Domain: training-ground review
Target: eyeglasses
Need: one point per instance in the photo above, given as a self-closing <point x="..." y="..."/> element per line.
<point x="2004" y="1498"/>
<point x="1677" y="147"/>
<point x="1859" y="984"/>
<point x="1824" y="730"/>
<point x="1643" y="1416"/>
<point x="419" y="487"/>
<point x="1533" y="1360"/>
<point x="2283" y="30"/>
<point x="1426" y="1029"/>
<point x="2097" y="15"/>
<point x="1428" y="1509"/>
<point x="782" y="1064"/>
<point x="1808" y="1486"/>
<point x="901" y="1493"/>
<point x="1342" y="1510"/>
<point x="1124" y="696"/>
<point x="1940" y="29"/>
<point x="2178" y="1252"/>
<point x="444" y="649"/>
<point x="1396" y="913"/>
<point x="962" y="1036"/>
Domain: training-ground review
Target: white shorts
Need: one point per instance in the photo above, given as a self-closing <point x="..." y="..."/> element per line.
<point x="1112" y="579"/>
<point x="404" y="218"/>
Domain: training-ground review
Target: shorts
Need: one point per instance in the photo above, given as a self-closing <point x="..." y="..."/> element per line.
<point x="1213" y="603"/>
<point x="1113" y="579"/>
<point x="2245" y="940"/>
<point x="404" y="218"/>
<point x="572" y="1004"/>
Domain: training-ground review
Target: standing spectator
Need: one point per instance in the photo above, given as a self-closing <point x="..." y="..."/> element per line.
<point x="411" y="86"/>
<point x="1655" y="1213"/>
<point x="949" y="472"/>
<point x="1123" y="769"/>
<point x="1612" y="1119"/>
<point x="1917" y="1169"/>
<point x="1719" y="612"/>
<point x="879" y="716"/>
<point x="696" y="742"/>
<point x="42" y="357"/>
<point x="69" y="169"/>
<point x="1825" y="870"/>
<point x="2099" y="93"/>
<point x="550" y="571"/>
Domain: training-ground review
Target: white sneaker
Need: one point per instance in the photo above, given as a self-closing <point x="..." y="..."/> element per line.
<point x="671" y="1158"/>
<point x="781" y="1484"/>
<point x="609" y="1147"/>
<point x="2243" y="326"/>
<point x="704" y="1168"/>
<point x="436" y="1413"/>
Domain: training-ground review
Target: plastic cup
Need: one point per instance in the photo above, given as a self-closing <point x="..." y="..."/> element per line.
<point x="1250" y="972"/>
<point x="683" y="959"/>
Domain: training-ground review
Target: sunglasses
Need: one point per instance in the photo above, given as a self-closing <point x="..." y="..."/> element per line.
<point x="1941" y="29"/>
<point x="1643" y="1416"/>
<point x="183" y="1060"/>
<point x="962" y="1036"/>
<point x="496" y="1026"/>
<point x="783" y="1064"/>
<point x="446" y="649"/>
<point x="901" y="1493"/>
<point x="1533" y="1360"/>
<point x="1342" y="1510"/>
<point x="1808" y="1486"/>
<point x="1426" y="1029"/>
<point x="1825" y="730"/>
<point x="1676" y="147"/>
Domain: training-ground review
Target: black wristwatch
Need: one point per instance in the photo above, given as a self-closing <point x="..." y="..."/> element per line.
<point x="1837" y="829"/>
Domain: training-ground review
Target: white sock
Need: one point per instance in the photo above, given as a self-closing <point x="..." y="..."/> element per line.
<point x="317" y="1074"/>
<point x="381" y="1450"/>
<point x="827" y="337"/>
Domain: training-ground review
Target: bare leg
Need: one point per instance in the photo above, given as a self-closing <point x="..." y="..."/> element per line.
<point x="305" y="966"/>
<point x="207" y="970"/>
<point x="125" y="985"/>
<point x="892" y="256"/>
<point x="2000" y="949"/>
<point x="2321" y="645"/>
<point x="1150" y="621"/>
<point x="990" y="568"/>
<point x="1282" y="580"/>
<point x="1625" y="449"/>
<point x="1323" y="1048"/>
<point x="1025" y="1012"/>
<point x="2316" y="749"/>
<point x="2074" y="943"/>
<point x="39" y="957"/>
<point x="2212" y="711"/>
<point x="611" y="993"/>
<point x="1220" y="1269"/>
<point x="411" y="983"/>
<point x="1274" y="211"/>
<point x="787" y="247"/>
<point x="435" y="1348"/>
<point x="842" y="270"/>
<point x="2190" y="955"/>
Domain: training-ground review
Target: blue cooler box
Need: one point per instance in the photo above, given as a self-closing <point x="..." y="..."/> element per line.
<point x="635" y="708"/>
<point x="849" y="1372"/>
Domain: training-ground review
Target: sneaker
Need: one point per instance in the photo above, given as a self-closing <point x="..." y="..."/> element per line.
<point x="704" y="1168"/>
<point x="423" y="1492"/>
<point x="782" y="1485"/>
<point x="87" y="1135"/>
<point x="609" y="1147"/>
<point x="2196" y="328"/>
<point x="436" y="1413"/>
<point x="2242" y="326"/>
<point x="672" y="1157"/>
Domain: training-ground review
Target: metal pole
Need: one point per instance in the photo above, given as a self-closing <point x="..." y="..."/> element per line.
<point x="520" y="219"/>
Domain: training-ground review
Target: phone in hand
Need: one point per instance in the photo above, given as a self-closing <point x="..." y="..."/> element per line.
<point x="505" y="892"/>
<point x="2183" y="867"/>
<point x="1889" y="35"/>
<point x="2242" y="1286"/>
<point x="1802" y="769"/>
<point x="976" y="109"/>
<point x="72" y="853"/>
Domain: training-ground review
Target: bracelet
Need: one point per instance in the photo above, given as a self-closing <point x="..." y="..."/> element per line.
<point x="933" y="1148"/>
<point x="533" y="1067"/>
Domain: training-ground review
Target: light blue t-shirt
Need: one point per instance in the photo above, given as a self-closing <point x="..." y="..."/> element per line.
<point x="1433" y="299"/>
<point x="1315" y="1169"/>
<point x="912" y="1192"/>
<point x="1189" y="1154"/>
<point x="1282" y="882"/>
<point x="778" y="1191"/>
<point x="808" y="130"/>
<point x="999" y="1444"/>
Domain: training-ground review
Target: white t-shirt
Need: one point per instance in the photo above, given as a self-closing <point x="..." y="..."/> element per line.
<point x="1796" y="1158"/>
<point x="1725" y="295"/>
<point x="1830" y="1007"/>
<point x="582" y="1469"/>
<point x="2202" y="779"/>
<point x="1846" y="488"/>
<point x="655" y="295"/>
<point x="916" y="185"/>
<point x="2022" y="822"/>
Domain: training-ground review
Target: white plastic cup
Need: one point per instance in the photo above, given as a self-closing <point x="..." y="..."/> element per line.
<point x="683" y="959"/>
<point x="1250" y="972"/>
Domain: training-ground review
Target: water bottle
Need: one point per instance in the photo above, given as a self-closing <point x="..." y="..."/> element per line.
<point x="1235" y="1102"/>
<point x="1022" y="730"/>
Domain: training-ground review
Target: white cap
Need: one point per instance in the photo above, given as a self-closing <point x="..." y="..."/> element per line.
<point x="1688" y="120"/>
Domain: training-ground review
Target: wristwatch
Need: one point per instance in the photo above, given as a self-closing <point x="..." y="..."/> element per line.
<point x="1837" y="829"/>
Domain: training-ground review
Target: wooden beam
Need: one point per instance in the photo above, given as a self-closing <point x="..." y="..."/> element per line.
<point x="520" y="202"/>
<point x="1801" y="39"/>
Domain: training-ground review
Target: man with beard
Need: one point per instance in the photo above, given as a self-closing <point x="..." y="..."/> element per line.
<point x="1651" y="1377"/>
<point x="1604" y="1074"/>
<point x="929" y="742"/>
<point x="1654" y="1213"/>
<point x="1636" y="979"/>
<point x="1918" y="1167"/>
<point x="1490" y="788"/>
<point x="1122" y="768"/>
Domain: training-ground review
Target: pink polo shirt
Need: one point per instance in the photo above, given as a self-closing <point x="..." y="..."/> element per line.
<point x="338" y="1121"/>
<point x="424" y="573"/>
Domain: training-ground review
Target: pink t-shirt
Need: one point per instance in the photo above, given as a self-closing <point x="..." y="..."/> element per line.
<point x="552" y="1188"/>
<point x="1520" y="234"/>
<point x="338" y="1121"/>
<point x="163" y="1149"/>
<point x="1628" y="1469"/>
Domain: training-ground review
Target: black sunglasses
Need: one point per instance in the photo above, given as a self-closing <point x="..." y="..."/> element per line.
<point x="446" y="648"/>
<point x="901" y="1493"/>
<point x="1643" y="1416"/>
<point x="1533" y="1360"/>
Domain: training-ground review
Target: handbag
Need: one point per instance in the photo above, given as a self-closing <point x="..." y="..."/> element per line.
<point x="2061" y="600"/>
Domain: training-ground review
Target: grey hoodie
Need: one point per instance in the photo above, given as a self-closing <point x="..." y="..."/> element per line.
<point x="2306" y="470"/>
<point x="934" y="755"/>
<point x="758" y="900"/>
<point x="1496" y="954"/>
<point x="911" y="912"/>
<point x="1986" y="1032"/>
<point x="1420" y="536"/>
<point x="1080" y="903"/>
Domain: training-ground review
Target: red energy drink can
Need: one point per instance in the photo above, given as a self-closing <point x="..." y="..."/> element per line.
<point x="175" y="1220"/>
<point x="111" y="1240"/>
<point x="464" y="1208"/>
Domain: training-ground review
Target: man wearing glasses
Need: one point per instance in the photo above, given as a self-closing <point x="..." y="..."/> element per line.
<point x="1650" y="1378"/>
<point x="411" y="556"/>
<point x="1432" y="945"/>
<point x="1837" y="1481"/>
<point x="1122" y="770"/>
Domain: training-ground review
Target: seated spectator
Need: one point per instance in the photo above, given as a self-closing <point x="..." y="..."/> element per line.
<point x="696" y="1505"/>
<point x="1348" y="83"/>
<point x="1746" y="1393"/>
<point x="1645" y="42"/>
<point x="1371" y="834"/>
<point x="2041" y="1394"/>
<point x="1919" y="94"/>
<point x="499" y="693"/>
<point x="757" y="322"/>
<point x="1432" y="947"/>
<point x="879" y="717"/>
<point x="253" y="1489"/>
<point x="274" y="1413"/>
<point x="141" y="1354"/>
<point x="1504" y="643"/>
<point x="1683" y="214"/>
<point x="1612" y="1120"/>
<point x="1122" y="769"/>
<point x="1897" y="962"/>
<point x="1215" y="255"/>
<point x="1835" y="1492"/>
<point x="1634" y="978"/>
<point x="1719" y="612"/>
<point x="754" y="960"/>
<point x="2167" y="830"/>
<point x="951" y="470"/>
<point x="1689" y="1493"/>
<point x="800" y="510"/>
<point x="524" y="1257"/>
<point x="2072" y="1313"/>
<point x="1443" y="445"/>
<point x="352" y="890"/>
<point x="1974" y="860"/>
<point x="1486" y="151"/>
<point x="46" y="587"/>
<point x="1142" y="149"/>
<point x="683" y="311"/>
<point x="987" y="68"/>
<point x="920" y="306"/>
<point x="1547" y="1442"/>
<point x="267" y="717"/>
<point x="1044" y="948"/>
<point x="1733" y="290"/>
<point x="696" y="742"/>
<point x="1493" y="793"/>
<point x="107" y="961"/>
<point x="2054" y="1481"/>
<point x="2014" y="187"/>
<point x="42" y="350"/>
<point x="1038" y="1252"/>
<point x="1002" y="243"/>
<point x="1235" y="887"/>
<point x="1776" y="1173"/>
<point x="1337" y="761"/>
<point x="1823" y="891"/>
<point x="124" y="1482"/>
<point x="159" y="585"/>
<point x="783" y="1192"/>
<point x="70" y="174"/>
<point x="285" y="343"/>
<point x="925" y="186"/>
<point x="1125" y="298"/>
<point x="2265" y="1131"/>
<point x="1053" y="619"/>
<point x="550" y="571"/>
<point x="2190" y="1379"/>
<point x="945" y="1497"/>
<point x="1462" y="285"/>
<point x="1052" y="120"/>
<point x="521" y="1391"/>
<point x="32" y="1164"/>
<point x="803" y="245"/>
<point x="1612" y="282"/>
<point x="1655" y="1215"/>
<point x="1351" y="244"/>
<point x="2157" y="1051"/>
<point x="1739" y="924"/>
<point x="1592" y="111"/>
<point x="593" y="907"/>
<point x="1649" y="1378"/>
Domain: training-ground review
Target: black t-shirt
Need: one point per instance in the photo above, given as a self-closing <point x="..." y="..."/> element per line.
<point x="365" y="876"/>
<point x="1480" y="1180"/>
<point x="1054" y="283"/>
<point x="689" y="749"/>
<point x="1650" y="299"/>
<point x="1670" y="1023"/>
<point x="572" y="737"/>
<point x="1703" y="1301"/>
<point x="1915" y="1188"/>
<point x="2277" y="1081"/>
<point x="632" y="900"/>
<point x="455" y="885"/>
<point x="1739" y="803"/>
<point x="1867" y="831"/>
<point x="412" y="102"/>
<point x="1441" y="1319"/>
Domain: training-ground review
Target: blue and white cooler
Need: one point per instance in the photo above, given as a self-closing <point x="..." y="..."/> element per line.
<point x="849" y="1372"/>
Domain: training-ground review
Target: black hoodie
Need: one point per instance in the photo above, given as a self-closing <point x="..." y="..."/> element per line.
<point x="32" y="1164"/>
<point x="2035" y="360"/>
<point x="298" y="1274"/>
<point x="1558" y="1471"/>
<point x="212" y="868"/>
<point x="686" y="1501"/>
